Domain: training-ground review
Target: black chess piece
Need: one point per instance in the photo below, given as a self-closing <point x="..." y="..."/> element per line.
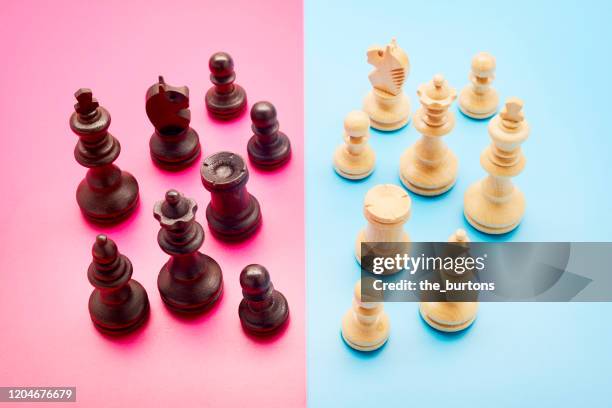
<point x="233" y="213"/>
<point x="268" y="148"/>
<point x="225" y="100"/>
<point x="174" y="145"/>
<point x="263" y="310"/>
<point x="190" y="281"/>
<point x="118" y="303"/>
<point x="106" y="195"/>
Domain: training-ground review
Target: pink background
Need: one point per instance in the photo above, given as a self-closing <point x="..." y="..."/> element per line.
<point x="49" y="49"/>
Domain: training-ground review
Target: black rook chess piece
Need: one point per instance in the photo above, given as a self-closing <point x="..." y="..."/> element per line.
<point x="225" y="100"/>
<point x="268" y="148"/>
<point x="263" y="310"/>
<point x="174" y="145"/>
<point x="233" y="214"/>
<point x="190" y="281"/>
<point x="106" y="195"/>
<point x="118" y="303"/>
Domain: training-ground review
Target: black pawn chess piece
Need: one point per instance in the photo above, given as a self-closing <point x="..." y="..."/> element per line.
<point x="118" y="303"/>
<point x="268" y="148"/>
<point x="263" y="310"/>
<point x="225" y="100"/>
<point x="233" y="213"/>
<point x="174" y="145"/>
<point x="190" y="281"/>
<point x="106" y="195"/>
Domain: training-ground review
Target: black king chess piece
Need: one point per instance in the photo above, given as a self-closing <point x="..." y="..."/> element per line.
<point x="190" y="281"/>
<point x="268" y="148"/>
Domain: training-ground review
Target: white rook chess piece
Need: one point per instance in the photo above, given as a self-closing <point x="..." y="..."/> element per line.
<point x="365" y="326"/>
<point x="479" y="100"/>
<point x="386" y="207"/>
<point x="429" y="167"/>
<point x="387" y="105"/>
<point x="494" y="205"/>
<point x="450" y="316"/>
<point x="355" y="159"/>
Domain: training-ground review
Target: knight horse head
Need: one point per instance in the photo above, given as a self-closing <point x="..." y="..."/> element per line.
<point x="391" y="66"/>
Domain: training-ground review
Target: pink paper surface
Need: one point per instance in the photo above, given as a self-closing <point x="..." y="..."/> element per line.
<point x="49" y="50"/>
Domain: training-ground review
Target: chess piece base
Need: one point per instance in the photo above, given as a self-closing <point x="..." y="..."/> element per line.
<point x="235" y="229"/>
<point x="387" y="112"/>
<point x="272" y="156"/>
<point x="489" y="217"/>
<point x="365" y="338"/>
<point x="109" y="207"/>
<point x="449" y="316"/>
<point x="362" y="238"/>
<point x="121" y="318"/>
<point x="175" y="152"/>
<point x="478" y="106"/>
<point x="426" y="180"/>
<point x="194" y="295"/>
<point x="354" y="167"/>
<point x="265" y="322"/>
<point x="226" y="106"/>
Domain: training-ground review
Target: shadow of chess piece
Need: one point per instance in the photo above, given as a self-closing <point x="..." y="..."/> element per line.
<point x="107" y="195"/>
<point x="263" y="310"/>
<point x="118" y="304"/>
<point x="233" y="214"/>
<point x="190" y="281"/>
<point x="268" y="148"/>
<point x="225" y="100"/>
<point x="174" y="145"/>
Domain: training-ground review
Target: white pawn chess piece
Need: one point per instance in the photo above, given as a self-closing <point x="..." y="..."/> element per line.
<point x="355" y="159"/>
<point x="479" y="100"/>
<point x="387" y="105"/>
<point x="494" y="205"/>
<point x="365" y="326"/>
<point x="386" y="208"/>
<point x="429" y="167"/>
<point x="450" y="316"/>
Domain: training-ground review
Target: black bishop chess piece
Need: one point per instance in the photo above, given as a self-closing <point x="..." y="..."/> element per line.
<point x="225" y="100"/>
<point x="118" y="303"/>
<point x="233" y="213"/>
<point x="268" y="148"/>
<point x="106" y="195"/>
<point x="174" y="145"/>
<point x="190" y="281"/>
<point x="263" y="310"/>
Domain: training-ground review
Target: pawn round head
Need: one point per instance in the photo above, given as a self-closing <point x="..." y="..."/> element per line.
<point x="483" y="64"/>
<point x="104" y="250"/>
<point x="263" y="114"/>
<point x="255" y="281"/>
<point x="221" y="64"/>
<point x="357" y="123"/>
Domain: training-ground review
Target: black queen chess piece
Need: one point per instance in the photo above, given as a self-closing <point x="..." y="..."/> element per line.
<point x="106" y="195"/>
<point x="268" y="148"/>
<point x="225" y="100"/>
<point x="190" y="281"/>
<point x="118" y="304"/>
<point x="174" y="145"/>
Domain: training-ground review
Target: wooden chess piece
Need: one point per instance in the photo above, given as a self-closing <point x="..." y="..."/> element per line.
<point x="386" y="208"/>
<point x="118" y="304"/>
<point x="494" y="205"/>
<point x="268" y="148"/>
<point x="233" y="214"/>
<point x="106" y="195"/>
<point x="365" y="326"/>
<point x="174" y="145"/>
<point x="263" y="309"/>
<point x="225" y="100"/>
<point x="387" y="105"/>
<point x="479" y="100"/>
<point x="355" y="159"/>
<point x="190" y="281"/>
<point x="450" y="316"/>
<point x="429" y="167"/>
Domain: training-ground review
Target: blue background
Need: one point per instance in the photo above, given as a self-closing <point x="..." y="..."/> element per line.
<point x="556" y="57"/>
